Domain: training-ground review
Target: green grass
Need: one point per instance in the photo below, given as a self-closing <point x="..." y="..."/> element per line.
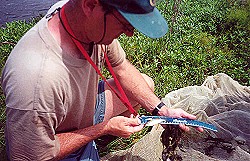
<point x="206" y="37"/>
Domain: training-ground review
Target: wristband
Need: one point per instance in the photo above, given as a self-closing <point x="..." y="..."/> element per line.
<point x="157" y="108"/>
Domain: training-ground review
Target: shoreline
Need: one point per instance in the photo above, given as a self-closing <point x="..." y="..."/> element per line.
<point x="23" y="10"/>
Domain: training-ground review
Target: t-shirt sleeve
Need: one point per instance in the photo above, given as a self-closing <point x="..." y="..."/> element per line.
<point x="34" y="106"/>
<point x="115" y="53"/>
<point x="30" y="135"/>
<point x="32" y="118"/>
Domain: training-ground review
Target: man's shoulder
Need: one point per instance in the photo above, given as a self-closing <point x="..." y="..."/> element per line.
<point x="116" y="53"/>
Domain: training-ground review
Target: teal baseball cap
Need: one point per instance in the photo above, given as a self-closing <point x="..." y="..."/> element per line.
<point x="142" y="15"/>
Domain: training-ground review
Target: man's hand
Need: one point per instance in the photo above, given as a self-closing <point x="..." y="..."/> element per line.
<point x="123" y="126"/>
<point x="178" y="113"/>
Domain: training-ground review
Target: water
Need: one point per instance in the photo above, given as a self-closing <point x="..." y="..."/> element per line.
<point x="23" y="9"/>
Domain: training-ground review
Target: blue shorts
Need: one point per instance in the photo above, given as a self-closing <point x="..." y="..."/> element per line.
<point x="89" y="152"/>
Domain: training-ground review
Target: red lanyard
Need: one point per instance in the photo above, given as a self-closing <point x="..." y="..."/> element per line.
<point x="123" y="97"/>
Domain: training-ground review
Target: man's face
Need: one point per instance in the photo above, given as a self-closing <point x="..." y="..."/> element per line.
<point x="121" y="23"/>
<point x="115" y="23"/>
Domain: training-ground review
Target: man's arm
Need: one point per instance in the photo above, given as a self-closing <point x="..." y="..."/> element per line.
<point x="136" y="87"/>
<point x="118" y="126"/>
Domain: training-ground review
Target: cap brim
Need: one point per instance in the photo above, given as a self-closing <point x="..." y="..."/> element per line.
<point x="151" y="24"/>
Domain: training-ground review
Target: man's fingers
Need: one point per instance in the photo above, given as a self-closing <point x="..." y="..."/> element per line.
<point x="184" y="127"/>
<point x="135" y="120"/>
<point x="189" y="116"/>
<point x="138" y="128"/>
<point x="200" y="129"/>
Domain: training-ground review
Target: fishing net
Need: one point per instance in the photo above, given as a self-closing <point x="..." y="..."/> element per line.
<point x="220" y="100"/>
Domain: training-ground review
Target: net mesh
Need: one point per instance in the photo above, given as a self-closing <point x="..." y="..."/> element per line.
<point x="220" y="100"/>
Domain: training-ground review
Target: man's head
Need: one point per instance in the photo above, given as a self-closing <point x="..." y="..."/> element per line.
<point x="142" y="15"/>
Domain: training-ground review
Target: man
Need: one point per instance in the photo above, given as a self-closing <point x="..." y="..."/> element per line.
<point x="51" y="87"/>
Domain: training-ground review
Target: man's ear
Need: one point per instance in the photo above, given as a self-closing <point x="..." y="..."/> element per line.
<point x="88" y="6"/>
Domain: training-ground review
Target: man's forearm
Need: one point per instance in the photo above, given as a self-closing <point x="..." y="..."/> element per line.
<point x="74" y="140"/>
<point x="135" y="86"/>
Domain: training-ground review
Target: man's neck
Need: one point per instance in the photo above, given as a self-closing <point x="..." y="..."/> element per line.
<point x="62" y="36"/>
